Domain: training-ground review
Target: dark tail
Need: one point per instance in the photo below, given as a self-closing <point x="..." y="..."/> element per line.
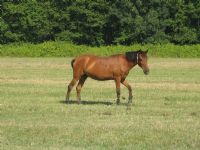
<point x="72" y="62"/>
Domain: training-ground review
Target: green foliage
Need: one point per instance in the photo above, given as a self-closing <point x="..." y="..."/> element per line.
<point x="57" y="49"/>
<point x="100" y="22"/>
<point x="186" y="36"/>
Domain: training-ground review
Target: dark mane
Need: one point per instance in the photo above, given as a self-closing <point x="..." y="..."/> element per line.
<point x="132" y="55"/>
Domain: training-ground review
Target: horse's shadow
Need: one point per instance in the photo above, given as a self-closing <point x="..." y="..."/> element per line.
<point x="88" y="102"/>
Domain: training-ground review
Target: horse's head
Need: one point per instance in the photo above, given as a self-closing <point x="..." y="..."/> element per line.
<point x="139" y="57"/>
<point x="142" y="61"/>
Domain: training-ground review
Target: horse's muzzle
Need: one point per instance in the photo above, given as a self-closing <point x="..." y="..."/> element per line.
<point x="146" y="72"/>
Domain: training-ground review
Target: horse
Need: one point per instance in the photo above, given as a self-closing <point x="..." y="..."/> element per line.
<point x="114" y="67"/>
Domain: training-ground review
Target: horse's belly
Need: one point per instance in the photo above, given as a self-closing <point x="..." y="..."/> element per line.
<point x="100" y="73"/>
<point x="101" y="78"/>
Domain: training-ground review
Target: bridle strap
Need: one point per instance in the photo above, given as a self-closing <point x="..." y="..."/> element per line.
<point x="137" y="58"/>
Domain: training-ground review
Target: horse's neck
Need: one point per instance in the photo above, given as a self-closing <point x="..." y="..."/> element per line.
<point x="130" y="62"/>
<point x="131" y="65"/>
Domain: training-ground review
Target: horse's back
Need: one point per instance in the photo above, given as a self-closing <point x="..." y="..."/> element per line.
<point x="84" y="59"/>
<point x="100" y="68"/>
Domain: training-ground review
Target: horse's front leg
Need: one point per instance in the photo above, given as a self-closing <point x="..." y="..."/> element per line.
<point x="125" y="83"/>
<point x="117" y="83"/>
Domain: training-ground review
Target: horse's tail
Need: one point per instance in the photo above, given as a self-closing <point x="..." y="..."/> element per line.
<point x="72" y="62"/>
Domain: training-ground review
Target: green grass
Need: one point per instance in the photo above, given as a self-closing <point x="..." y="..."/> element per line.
<point x="58" y="49"/>
<point x="165" y="114"/>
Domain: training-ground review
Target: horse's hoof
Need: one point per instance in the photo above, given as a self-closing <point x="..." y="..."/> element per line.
<point x="118" y="102"/>
<point x="129" y="107"/>
<point x="123" y="97"/>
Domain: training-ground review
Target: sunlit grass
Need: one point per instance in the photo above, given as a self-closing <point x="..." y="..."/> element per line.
<point x="165" y="114"/>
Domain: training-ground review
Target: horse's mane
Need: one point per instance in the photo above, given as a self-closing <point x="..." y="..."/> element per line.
<point x="132" y="55"/>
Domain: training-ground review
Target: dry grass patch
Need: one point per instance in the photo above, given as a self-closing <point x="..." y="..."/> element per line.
<point x="165" y="63"/>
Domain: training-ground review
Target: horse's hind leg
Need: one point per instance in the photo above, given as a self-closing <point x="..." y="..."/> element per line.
<point x="70" y="86"/>
<point x="79" y="86"/>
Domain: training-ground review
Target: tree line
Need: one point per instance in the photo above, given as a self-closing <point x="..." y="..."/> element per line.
<point x="100" y="22"/>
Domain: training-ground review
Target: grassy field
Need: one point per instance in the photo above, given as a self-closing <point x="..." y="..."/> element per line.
<point x="165" y="114"/>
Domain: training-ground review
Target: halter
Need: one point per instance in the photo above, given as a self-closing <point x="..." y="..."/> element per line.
<point x="133" y="56"/>
<point x="137" y="58"/>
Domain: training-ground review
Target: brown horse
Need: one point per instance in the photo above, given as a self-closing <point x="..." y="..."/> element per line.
<point x="115" y="67"/>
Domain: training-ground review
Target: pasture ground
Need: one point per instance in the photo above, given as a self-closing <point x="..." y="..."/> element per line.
<point x="165" y="114"/>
